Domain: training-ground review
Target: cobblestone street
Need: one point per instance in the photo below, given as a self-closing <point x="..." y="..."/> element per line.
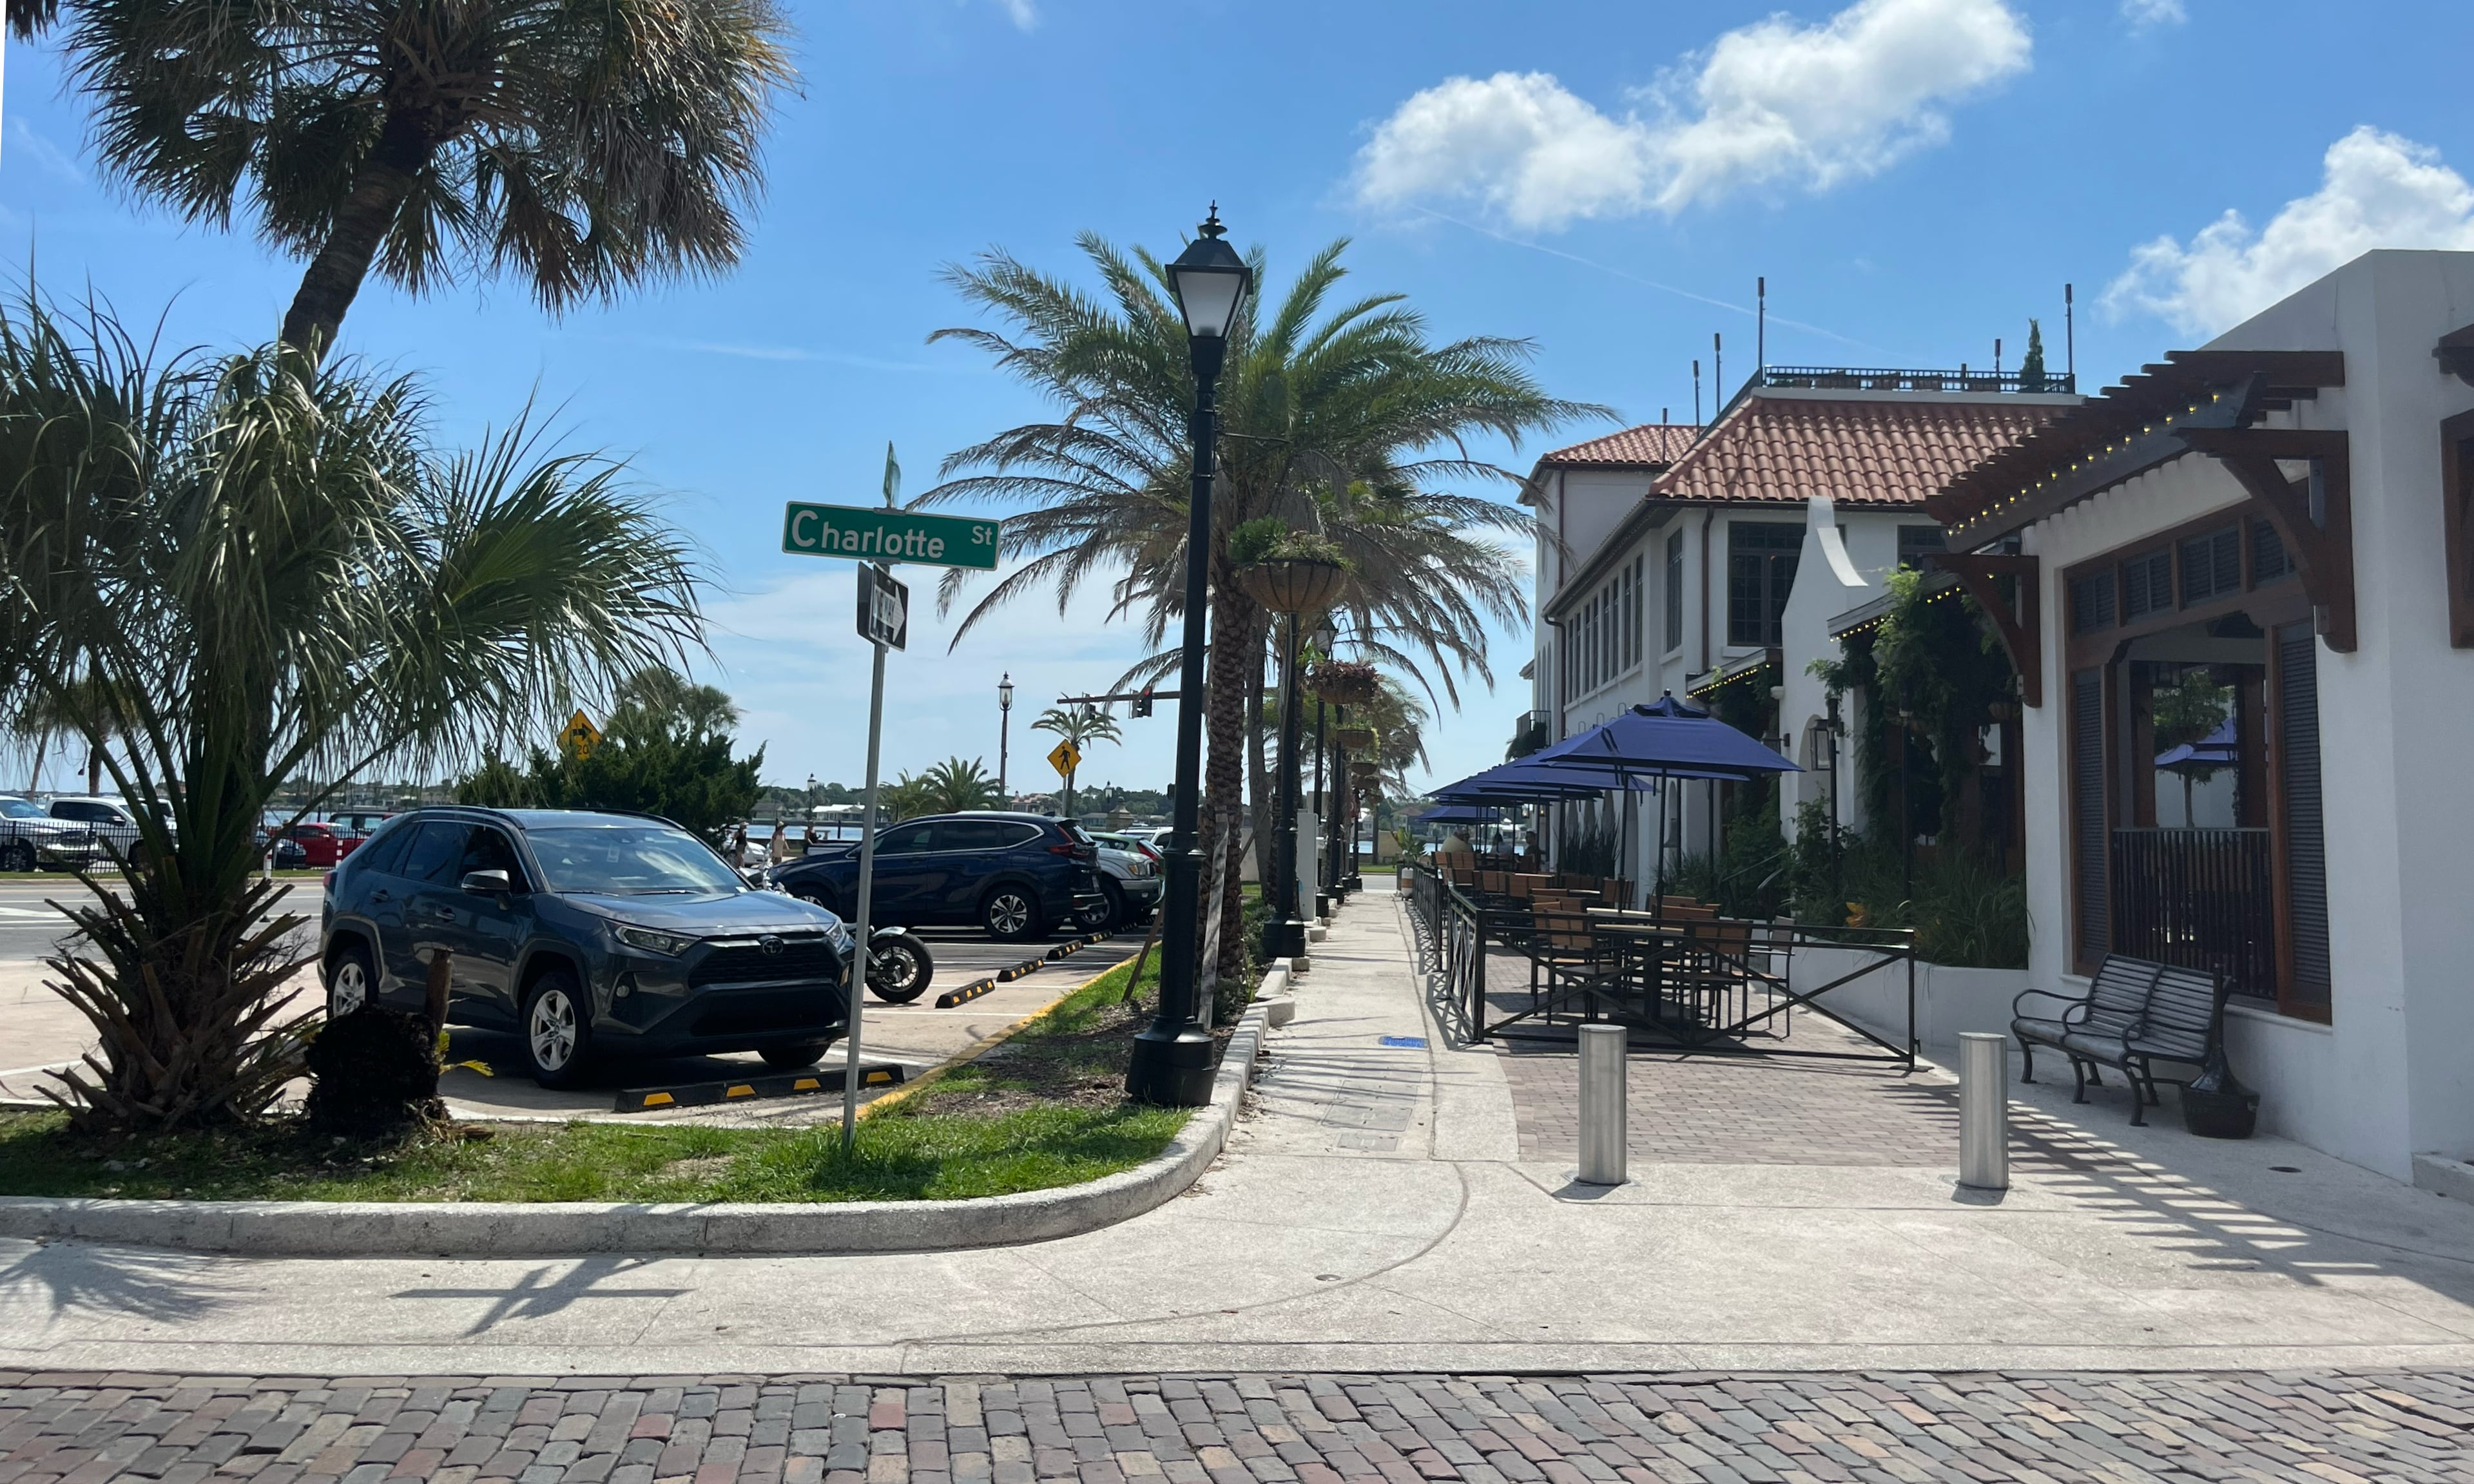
<point x="1248" y="1429"/>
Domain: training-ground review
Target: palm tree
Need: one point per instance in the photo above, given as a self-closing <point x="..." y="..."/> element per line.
<point x="581" y="147"/>
<point x="955" y="785"/>
<point x="1344" y="419"/>
<point x="275" y="577"/>
<point x="1079" y="725"/>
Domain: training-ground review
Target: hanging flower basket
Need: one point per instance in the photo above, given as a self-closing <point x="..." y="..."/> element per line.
<point x="1293" y="585"/>
<point x="1356" y="738"/>
<point x="1345" y="682"/>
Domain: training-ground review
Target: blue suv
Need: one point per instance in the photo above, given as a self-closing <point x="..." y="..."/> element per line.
<point x="1016" y="875"/>
<point x="585" y="934"/>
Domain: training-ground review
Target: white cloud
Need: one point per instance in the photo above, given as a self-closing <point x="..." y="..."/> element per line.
<point x="2376" y="190"/>
<point x="1024" y="15"/>
<point x="2143" y="13"/>
<point x="45" y="153"/>
<point x="1812" y="105"/>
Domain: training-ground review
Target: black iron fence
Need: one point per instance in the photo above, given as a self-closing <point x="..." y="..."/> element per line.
<point x="1501" y="969"/>
<point x="2201" y="899"/>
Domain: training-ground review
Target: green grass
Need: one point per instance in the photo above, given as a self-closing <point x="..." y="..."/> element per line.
<point x="1045" y="1113"/>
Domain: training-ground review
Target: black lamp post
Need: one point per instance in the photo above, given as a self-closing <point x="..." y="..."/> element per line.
<point x="1284" y="936"/>
<point x="1172" y="1059"/>
<point x="1005" y="730"/>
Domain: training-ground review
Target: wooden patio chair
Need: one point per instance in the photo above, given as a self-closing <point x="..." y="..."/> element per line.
<point x="1711" y="969"/>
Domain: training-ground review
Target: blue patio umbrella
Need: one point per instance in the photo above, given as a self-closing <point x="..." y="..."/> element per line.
<point x="2220" y="748"/>
<point x="1665" y="739"/>
<point x="1460" y="814"/>
<point x="1525" y="782"/>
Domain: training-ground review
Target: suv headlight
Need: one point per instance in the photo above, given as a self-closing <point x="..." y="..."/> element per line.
<point x="668" y="944"/>
<point x="838" y="934"/>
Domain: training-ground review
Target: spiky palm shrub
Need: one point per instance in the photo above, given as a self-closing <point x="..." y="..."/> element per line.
<point x="271" y="575"/>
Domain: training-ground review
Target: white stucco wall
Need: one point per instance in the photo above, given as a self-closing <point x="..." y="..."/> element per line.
<point x="2388" y="1077"/>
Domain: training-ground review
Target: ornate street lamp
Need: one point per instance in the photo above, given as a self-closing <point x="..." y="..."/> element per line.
<point x="1004" y="724"/>
<point x="1171" y="1059"/>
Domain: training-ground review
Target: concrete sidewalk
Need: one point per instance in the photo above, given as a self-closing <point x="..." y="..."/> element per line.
<point x="1377" y="1212"/>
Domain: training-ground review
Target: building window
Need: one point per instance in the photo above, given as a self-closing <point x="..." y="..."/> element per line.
<point x="1918" y="542"/>
<point x="1589" y="645"/>
<point x="1760" y="571"/>
<point x="2268" y="558"/>
<point x="2092" y="603"/>
<point x="2147" y="585"/>
<point x="1632" y="614"/>
<point x="1675" y="590"/>
<point x="2211" y="565"/>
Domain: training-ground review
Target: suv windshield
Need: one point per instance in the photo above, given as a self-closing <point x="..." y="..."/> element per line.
<point x="629" y="860"/>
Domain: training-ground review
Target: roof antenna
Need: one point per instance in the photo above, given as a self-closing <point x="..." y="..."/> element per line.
<point x="1761" y="323"/>
<point x="2070" y="341"/>
<point x="1662" y="419"/>
<point x="1718" y="368"/>
<point x="1696" y="391"/>
<point x="1996" y="364"/>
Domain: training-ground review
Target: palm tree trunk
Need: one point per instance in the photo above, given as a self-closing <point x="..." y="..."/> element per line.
<point x="380" y="190"/>
<point x="1224" y="778"/>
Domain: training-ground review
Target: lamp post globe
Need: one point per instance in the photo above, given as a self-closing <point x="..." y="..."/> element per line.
<point x="1172" y="1062"/>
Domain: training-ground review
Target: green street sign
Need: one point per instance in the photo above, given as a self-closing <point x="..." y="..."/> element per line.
<point x="863" y="534"/>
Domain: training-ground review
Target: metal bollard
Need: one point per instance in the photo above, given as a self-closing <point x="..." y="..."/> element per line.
<point x="1602" y="1105"/>
<point x="1983" y="1110"/>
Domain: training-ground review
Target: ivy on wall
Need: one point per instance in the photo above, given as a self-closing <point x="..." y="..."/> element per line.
<point x="1933" y="665"/>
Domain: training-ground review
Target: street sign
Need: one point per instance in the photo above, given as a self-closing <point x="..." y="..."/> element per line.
<point x="884" y="608"/>
<point x="867" y="534"/>
<point x="1065" y="759"/>
<point x="579" y="737"/>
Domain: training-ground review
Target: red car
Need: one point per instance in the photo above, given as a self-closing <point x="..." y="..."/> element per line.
<point x="323" y="845"/>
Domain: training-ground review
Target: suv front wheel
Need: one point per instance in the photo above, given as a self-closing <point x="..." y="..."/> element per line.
<point x="1011" y="914"/>
<point x="556" y="1029"/>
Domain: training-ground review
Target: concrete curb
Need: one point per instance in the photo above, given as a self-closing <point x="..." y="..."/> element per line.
<point x="324" y="1229"/>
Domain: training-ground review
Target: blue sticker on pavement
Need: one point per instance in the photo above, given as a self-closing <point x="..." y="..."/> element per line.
<point x="1402" y="1040"/>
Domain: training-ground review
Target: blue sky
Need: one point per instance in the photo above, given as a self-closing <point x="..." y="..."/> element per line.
<point x="1914" y="178"/>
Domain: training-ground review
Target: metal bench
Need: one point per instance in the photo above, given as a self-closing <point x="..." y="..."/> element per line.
<point x="2135" y="1013"/>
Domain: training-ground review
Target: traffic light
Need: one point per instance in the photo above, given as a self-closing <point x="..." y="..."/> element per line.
<point x="1142" y="703"/>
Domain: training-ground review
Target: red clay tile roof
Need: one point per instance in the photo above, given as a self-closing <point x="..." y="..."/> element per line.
<point x="1648" y="446"/>
<point x="1774" y="447"/>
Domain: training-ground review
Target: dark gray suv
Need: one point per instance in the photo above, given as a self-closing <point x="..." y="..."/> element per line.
<point x="585" y="934"/>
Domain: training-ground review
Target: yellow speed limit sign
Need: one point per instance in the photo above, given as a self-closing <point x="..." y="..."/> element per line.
<point x="1065" y="759"/>
<point x="579" y="737"/>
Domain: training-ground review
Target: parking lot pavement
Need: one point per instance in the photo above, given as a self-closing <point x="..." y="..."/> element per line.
<point x="38" y="1030"/>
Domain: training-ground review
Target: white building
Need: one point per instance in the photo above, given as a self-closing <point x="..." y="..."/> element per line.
<point x="1669" y="557"/>
<point x="2283" y="520"/>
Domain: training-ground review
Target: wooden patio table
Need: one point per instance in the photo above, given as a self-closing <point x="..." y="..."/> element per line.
<point x="1640" y="946"/>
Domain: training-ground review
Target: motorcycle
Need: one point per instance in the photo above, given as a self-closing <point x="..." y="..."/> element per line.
<point x="899" y="965"/>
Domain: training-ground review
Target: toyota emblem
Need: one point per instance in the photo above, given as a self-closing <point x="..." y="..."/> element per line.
<point x="770" y="943"/>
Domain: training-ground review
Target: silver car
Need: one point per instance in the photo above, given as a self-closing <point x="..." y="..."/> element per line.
<point x="32" y="839"/>
<point x="1129" y="878"/>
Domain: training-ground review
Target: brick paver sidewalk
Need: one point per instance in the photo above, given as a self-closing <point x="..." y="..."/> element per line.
<point x="86" y="1429"/>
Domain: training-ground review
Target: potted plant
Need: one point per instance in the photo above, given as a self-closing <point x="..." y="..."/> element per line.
<point x="1286" y="571"/>
<point x="1346" y="683"/>
<point x="1356" y="738"/>
<point x="2215" y="1105"/>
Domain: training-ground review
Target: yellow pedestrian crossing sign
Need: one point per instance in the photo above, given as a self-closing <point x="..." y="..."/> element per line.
<point x="580" y="737"/>
<point x="1065" y="759"/>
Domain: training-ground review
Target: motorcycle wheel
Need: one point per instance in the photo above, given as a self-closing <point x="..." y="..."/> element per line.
<point x="899" y="968"/>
